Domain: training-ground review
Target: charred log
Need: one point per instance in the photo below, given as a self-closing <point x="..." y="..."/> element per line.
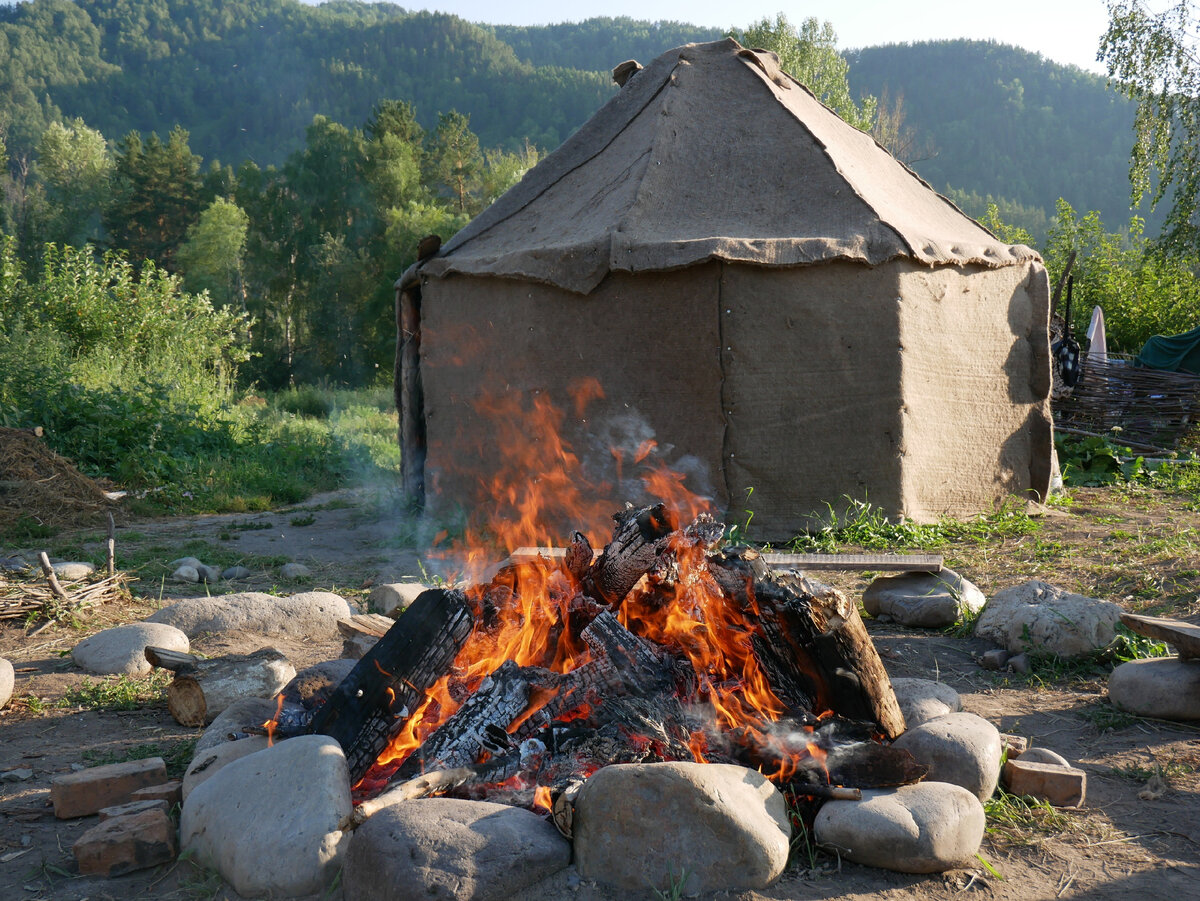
<point x="385" y="687"/>
<point x="637" y="540"/>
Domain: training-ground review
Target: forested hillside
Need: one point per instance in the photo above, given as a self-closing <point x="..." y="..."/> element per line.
<point x="998" y="120"/>
<point x="599" y="44"/>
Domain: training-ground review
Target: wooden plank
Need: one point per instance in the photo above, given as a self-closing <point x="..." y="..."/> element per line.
<point x="917" y="563"/>
<point x="1184" y="637"/>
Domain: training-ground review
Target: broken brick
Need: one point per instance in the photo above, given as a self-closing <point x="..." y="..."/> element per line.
<point x="123" y="844"/>
<point x="171" y="792"/>
<point x="1062" y="786"/>
<point x="120" y="810"/>
<point x="83" y="793"/>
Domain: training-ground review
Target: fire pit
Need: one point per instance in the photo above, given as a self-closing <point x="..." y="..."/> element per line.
<point x="665" y="646"/>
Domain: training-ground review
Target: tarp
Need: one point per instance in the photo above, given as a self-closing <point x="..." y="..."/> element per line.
<point x="1174" y="353"/>
<point x="713" y="153"/>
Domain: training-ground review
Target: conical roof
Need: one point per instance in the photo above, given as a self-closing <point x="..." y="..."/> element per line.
<point x="713" y="153"/>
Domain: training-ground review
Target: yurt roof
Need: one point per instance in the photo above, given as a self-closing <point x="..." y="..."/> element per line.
<point x="713" y="153"/>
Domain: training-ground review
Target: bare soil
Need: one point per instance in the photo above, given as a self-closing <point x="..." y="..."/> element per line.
<point x="1131" y="839"/>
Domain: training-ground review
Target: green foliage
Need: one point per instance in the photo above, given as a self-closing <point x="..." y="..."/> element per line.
<point x="1143" y="291"/>
<point x="118" y="693"/>
<point x="211" y="257"/>
<point x="809" y="54"/>
<point x="1153" y="56"/>
<point x="1096" y="460"/>
<point x="177" y="755"/>
<point x="1017" y="820"/>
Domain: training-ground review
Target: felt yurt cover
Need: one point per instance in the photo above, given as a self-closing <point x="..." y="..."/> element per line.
<point x="751" y="274"/>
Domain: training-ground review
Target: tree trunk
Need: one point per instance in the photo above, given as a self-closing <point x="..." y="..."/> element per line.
<point x="203" y="688"/>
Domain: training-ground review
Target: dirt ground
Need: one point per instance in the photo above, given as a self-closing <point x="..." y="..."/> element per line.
<point x="1138" y="834"/>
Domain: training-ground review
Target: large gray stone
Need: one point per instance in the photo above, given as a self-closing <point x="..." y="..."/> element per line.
<point x="1037" y="616"/>
<point x="960" y="748"/>
<point x="310" y="614"/>
<point x="929" y="600"/>
<point x="922" y="700"/>
<point x="209" y="761"/>
<point x="293" y="571"/>
<point x="452" y="849"/>
<point x="1164" y="688"/>
<point x="234" y="719"/>
<point x="929" y="827"/>
<point x="122" y="649"/>
<point x="71" y="571"/>
<point x="393" y="598"/>
<point x="7" y="682"/>
<point x="268" y="823"/>
<point x="637" y="826"/>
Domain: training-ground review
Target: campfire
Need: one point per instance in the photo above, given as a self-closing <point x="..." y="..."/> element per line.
<point x="667" y="644"/>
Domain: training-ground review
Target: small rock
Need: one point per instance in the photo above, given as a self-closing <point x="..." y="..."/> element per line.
<point x="14" y="564"/>
<point x="928" y="600"/>
<point x="8" y="679"/>
<point x="73" y="571"/>
<point x="929" y="827"/>
<point x="451" y="849"/>
<point x="1161" y="687"/>
<point x="959" y="748"/>
<point x="393" y="598"/>
<point x="122" y="649"/>
<point x="1020" y="663"/>
<point x="236" y="572"/>
<point x="922" y="700"/>
<point x="294" y="571"/>
<point x="269" y="822"/>
<point x="208" y="573"/>
<point x="633" y="822"/>
<point x="309" y="615"/>
<point x="1041" y="755"/>
<point x="193" y="562"/>
<point x="995" y="659"/>
<point x="186" y="574"/>
<point x="21" y="774"/>
<point x="1037" y="616"/>
<point x="208" y="762"/>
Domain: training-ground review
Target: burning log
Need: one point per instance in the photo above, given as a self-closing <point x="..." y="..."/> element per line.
<point x="813" y="642"/>
<point x="385" y="687"/>
<point x="636" y="542"/>
<point x="203" y="688"/>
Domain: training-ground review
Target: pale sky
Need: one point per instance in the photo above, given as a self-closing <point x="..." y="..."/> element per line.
<point x="1066" y="31"/>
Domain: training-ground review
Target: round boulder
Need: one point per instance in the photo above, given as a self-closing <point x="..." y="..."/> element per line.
<point x="922" y="700"/>
<point x="269" y="822"/>
<point x="452" y="849"/>
<point x="928" y="600"/>
<point x="1165" y="688"/>
<point x="122" y="649"/>
<point x="929" y="827"/>
<point x="7" y="682"/>
<point x="1037" y="616"/>
<point x="234" y="719"/>
<point x="960" y="748"/>
<point x="309" y="614"/>
<point x="73" y="571"/>
<point x="639" y="826"/>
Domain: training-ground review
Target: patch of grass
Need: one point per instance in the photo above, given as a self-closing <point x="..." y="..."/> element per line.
<point x="1105" y="717"/>
<point x="26" y="530"/>
<point x="302" y="521"/>
<point x="674" y="886"/>
<point x="118" y="693"/>
<point x="1013" y="820"/>
<point x="176" y="755"/>
<point x="1171" y="769"/>
<point x="34" y="704"/>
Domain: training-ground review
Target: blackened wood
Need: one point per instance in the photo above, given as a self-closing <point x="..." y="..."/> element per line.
<point x="637" y="540"/>
<point x="812" y="642"/>
<point x="388" y="683"/>
<point x="579" y="556"/>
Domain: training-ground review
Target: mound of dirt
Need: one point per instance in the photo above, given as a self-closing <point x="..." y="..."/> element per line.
<point x="38" y="484"/>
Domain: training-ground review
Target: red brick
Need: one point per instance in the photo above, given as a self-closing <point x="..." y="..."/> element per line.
<point x="84" y="793"/>
<point x="119" y="845"/>
<point x="1062" y="786"/>
<point x="171" y="792"/>
<point x="120" y="810"/>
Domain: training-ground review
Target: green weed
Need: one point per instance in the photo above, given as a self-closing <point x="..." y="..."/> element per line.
<point x="176" y="755"/>
<point x="118" y="693"/>
<point x="674" y="887"/>
<point x="1017" y="820"/>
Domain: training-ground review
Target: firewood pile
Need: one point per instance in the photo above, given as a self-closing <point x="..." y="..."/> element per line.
<point x="665" y="646"/>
